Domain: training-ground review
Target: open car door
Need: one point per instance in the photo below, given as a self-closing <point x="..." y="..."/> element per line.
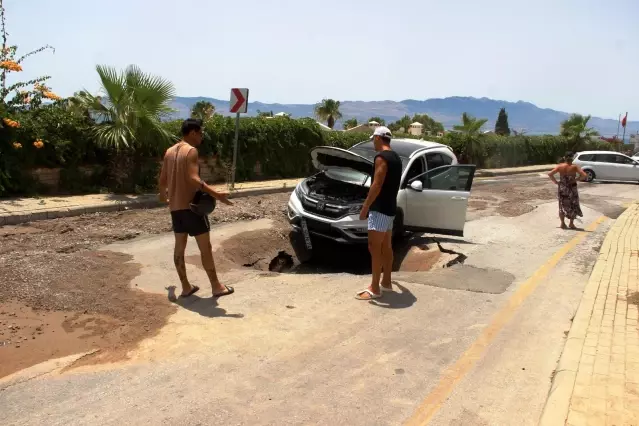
<point x="437" y="201"/>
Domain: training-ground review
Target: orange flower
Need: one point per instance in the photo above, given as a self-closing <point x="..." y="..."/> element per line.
<point x="11" y="123"/>
<point x="38" y="144"/>
<point x="17" y="145"/>
<point x="10" y="65"/>
<point x="40" y="87"/>
<point x="51" y="95"/>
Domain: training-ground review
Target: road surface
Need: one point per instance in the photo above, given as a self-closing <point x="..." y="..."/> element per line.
<point x="472" y="344"/>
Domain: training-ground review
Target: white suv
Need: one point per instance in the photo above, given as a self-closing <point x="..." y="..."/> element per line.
<point x="607" y="165"/>
<point x="433" y="195"/>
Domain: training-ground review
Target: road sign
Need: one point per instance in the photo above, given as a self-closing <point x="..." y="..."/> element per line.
<point x="238" y="105"/>
<point x="239" y="100"/>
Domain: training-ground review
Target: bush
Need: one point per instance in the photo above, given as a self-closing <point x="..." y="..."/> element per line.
<point x="494" y="151"/>
<point x="280" y="145"/>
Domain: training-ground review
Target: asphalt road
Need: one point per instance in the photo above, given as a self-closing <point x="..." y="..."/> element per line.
<point x="473" y="344"/>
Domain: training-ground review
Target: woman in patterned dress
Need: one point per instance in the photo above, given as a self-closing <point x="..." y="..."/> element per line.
<point x="567" y="190"/>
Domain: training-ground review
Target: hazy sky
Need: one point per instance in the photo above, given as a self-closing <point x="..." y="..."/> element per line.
<point x="570" y="55"/>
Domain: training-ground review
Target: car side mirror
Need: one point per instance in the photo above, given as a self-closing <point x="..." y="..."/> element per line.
<point x="416" y="185"/>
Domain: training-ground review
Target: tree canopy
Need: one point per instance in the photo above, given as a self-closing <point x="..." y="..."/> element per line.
<point x="430" y="125"/>
<point x="130" y="114"/>
<point x="202" y="110"/>
<point x="350" y="123"/>
<point x="576" y="129"/>
<point x="501" y="125"/>
<point x="328" y="110"/>
<point x="470" y="125"/>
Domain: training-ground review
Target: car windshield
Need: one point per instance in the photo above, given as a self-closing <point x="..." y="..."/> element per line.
<point x="349" y="176"/>
<point x="369" y="154"/>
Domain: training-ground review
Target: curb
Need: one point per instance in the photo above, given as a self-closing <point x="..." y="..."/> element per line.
<point x="557" y="405"/>
<point x="149" y="202"/>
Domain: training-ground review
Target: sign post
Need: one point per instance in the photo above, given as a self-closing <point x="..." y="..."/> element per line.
<point x="238" y="105"/>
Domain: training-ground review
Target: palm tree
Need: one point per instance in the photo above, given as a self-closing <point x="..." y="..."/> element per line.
<point x="576" y="129"/>
<point x="328" y="110"/>
<point x="350" y="123"/>
<point x="130" y="113"/>
<point x="470" y="125"/>
<point x="202" y="110"/>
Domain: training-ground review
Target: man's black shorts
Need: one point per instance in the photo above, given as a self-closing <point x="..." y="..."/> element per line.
<point x="187" y="222"/>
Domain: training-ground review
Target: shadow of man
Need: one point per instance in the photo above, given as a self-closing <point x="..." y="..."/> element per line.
<point x="396" y="300"/>
<point x="206" y="307"/>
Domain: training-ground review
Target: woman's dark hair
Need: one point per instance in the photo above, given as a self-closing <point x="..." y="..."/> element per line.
<point x="191" y="125"/>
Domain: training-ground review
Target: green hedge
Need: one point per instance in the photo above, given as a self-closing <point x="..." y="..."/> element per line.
<point x="280" y="145"/>
<point x="494" y="151"/>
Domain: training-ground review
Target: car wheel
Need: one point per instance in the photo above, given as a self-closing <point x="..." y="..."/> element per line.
<point x="590" y="175"/>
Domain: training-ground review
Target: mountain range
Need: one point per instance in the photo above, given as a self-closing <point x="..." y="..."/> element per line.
<point x="521" y="115"/>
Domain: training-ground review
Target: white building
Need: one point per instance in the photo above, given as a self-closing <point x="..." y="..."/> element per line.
<point x="373" y="124"/>
<point x="416" y="129"/>
<point x="634" y="140"/>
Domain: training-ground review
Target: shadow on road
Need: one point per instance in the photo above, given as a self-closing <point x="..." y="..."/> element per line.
<point x="207" y="307"/>
<point x="396" y="300"/>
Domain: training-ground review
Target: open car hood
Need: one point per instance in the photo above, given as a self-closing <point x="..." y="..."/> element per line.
<point x="328" y="157"/>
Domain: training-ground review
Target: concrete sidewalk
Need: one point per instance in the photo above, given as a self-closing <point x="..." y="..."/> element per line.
<point x="21" y="210"/>
<point x="597" y="379"/>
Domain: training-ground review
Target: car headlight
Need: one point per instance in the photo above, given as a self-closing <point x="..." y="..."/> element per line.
<point x="300" y="191"/>
<point x="356" y="209"/>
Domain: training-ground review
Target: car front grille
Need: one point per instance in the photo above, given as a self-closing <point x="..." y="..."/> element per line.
<point x="322" y="208"/>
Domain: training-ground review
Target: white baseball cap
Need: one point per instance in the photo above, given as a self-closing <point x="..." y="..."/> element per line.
<point x="382" y="131"/>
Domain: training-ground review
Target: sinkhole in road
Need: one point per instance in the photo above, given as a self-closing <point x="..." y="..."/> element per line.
<point x="281" y="250"/>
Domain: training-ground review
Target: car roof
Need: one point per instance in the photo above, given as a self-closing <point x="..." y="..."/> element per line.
<point x="601" y="152"/>
<point x="403" y="147"/>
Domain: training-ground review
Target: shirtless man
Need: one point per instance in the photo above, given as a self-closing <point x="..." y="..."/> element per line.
<point x="179" y="181"/>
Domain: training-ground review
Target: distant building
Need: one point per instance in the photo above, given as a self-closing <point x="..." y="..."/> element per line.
<point x="416" y="129"/>
<point x="634" y="140"/>
<point x="324" y="127"/>
<point x="362" y="128"/>
<point x="373" y="124"/>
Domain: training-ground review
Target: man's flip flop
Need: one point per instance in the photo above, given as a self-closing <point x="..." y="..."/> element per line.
<point x="229" y="290"/>
<point x="372" y="295"/>
<point x="192" y="292"/>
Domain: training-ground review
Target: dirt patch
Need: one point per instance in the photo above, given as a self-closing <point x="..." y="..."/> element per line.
<point x="54" y="277"/>
<point x="514" y="208"/>
<point x="54" y="312"/>
<point x="511" y="199"/>
<point x="420" y="259"/>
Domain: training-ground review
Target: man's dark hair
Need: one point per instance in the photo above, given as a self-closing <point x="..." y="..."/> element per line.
<point x="386" y="140"/>
<point x="191" y="125"/>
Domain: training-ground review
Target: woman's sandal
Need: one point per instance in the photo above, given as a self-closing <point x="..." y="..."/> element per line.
<point x="371" y="295"/>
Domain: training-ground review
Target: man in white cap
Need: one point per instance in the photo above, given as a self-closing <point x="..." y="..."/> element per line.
<point x="380" y="207"/>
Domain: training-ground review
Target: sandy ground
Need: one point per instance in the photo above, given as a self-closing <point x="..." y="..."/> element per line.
<point x="59" y="282"/>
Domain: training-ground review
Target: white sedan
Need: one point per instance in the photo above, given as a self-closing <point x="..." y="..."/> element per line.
<point x="607" y="165"/>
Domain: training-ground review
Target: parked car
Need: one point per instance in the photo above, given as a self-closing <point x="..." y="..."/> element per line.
<point x="607" y="165"/>
<point x="636" y="156"/>
<point x="433" y="195"/>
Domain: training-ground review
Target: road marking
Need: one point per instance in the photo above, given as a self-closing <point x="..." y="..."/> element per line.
<point x="455" y="373"/>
